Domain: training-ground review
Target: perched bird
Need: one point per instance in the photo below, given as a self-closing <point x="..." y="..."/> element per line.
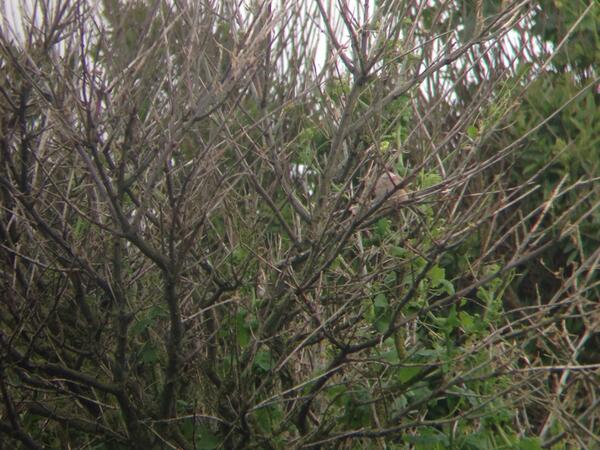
<point x="388" y="182"/>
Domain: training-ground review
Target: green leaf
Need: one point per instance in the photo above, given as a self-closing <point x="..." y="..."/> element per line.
<point x="390" y="279"/>
<point x="357" y="411"/>
<point x="391" y="356"/>
<point x="399" y="403"/>
<point x="429" y="179"/>
<point x="478" y="441"/>
<point x="383" y="227"/>
<point x="467" y="321"/>
<point x="264" y="360"/>
<point x="149" y="354"/>
<point x="530" y="443"/>
<point x="447" y="287"/>
<point x="207" y="440"/>
<point x="139" y="326"/>
<point x="381" y="316"/>
<point x="239" y="254"/>
<point x="436" y="274"/>
<point x="80" y="228"/>
<point x="399" y="252"/>
<point x="451" y="321"/>
<point x="406" y="374"/>
<point x="147" y="320"/>
<point x="267" y="417"/>
<point x="382" y="323"/>
<point x="184" y="406"/>
<point x="381" y="302"/>
<point x="242" y="329"/>
<point x="485" y="295"/>
<point x="400" y="167"/>
<point x="472" y="131"/>
<point x="429" y="439"/>
<point x="419" y="394"/>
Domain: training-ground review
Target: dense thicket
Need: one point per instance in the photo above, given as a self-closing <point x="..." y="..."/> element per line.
<point x="299" y="224"/>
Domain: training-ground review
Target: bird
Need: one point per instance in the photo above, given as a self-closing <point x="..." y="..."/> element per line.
<point x="386" y="183"/>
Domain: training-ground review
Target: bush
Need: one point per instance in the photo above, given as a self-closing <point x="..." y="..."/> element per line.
<point x="220" y="232"/>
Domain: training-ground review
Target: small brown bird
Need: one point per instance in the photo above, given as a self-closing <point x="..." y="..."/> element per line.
<point x="386" y="183"/>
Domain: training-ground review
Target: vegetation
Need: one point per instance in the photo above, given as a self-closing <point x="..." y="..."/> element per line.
<point x="300" y="224"/>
